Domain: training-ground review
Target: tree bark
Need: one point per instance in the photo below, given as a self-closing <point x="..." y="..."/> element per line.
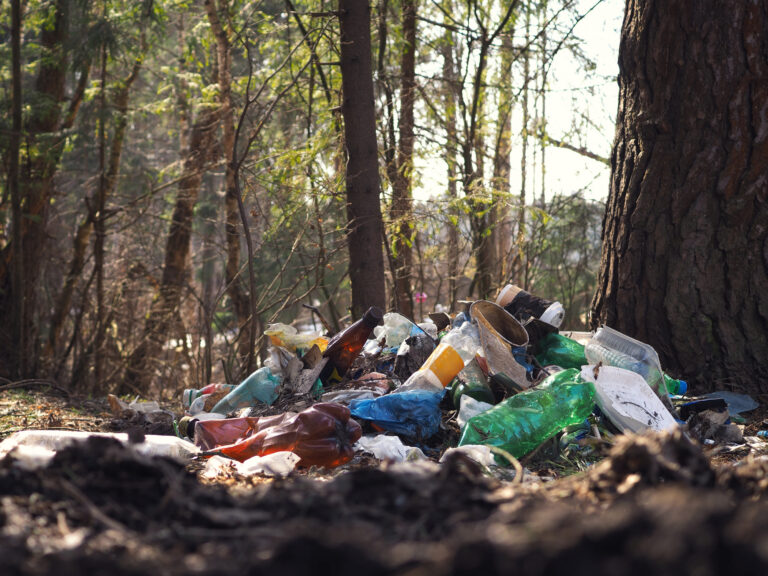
<point x="165" y="305"/>
<point x="685" y="233"/>
<point x="239" y="298"/>
<point x="35" y="191"/>
<point x="17" y="332"/>
<point x="401" y="212"/>
<point x="364" y="228"/>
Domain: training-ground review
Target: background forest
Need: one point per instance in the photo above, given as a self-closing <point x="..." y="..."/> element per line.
<point x="174" y="176"/>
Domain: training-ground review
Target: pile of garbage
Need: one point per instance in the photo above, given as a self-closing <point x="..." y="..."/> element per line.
<point x="500" y="374"/>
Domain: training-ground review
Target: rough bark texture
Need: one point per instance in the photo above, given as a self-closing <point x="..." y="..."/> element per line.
<point x="43" y="141"/>
<point x="365" y="229"/>
<point x="238" y="297"/>
<point x="685" y="246"/>
<point x="165" y="306"/>
<point x="401" y="188"/>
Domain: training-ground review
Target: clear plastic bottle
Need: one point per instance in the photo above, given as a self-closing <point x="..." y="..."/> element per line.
<point x="465" y="340"/>
<point x="436" y="373"/>
<point x="522" y="422"/>
<point x="261" y="386"/>
<point x="613" y="348"/>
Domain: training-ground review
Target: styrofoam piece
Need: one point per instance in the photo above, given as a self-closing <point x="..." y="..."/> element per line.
<point x="627" y="400"/>
<point x="389" y="448"/>
<point x="54" y="440"/>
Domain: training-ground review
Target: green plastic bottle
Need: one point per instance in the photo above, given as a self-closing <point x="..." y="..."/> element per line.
<point x="675" y="387"/>
<point x="521" y="423"/>
<point x="561" y="351"/>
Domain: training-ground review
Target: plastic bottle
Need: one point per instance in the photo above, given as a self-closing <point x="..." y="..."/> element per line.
<point x="675" y="387"/>
<point x="523" y="305"/>
<point x="261" y="386"/>
<point x="346" y="346"/>
<point x="190" y="394"/>
<point x="436" y="373"/>
<point x="322" y="435"/>
<point x="465" y="340"/>
<point x="208" y="434"/>
<point x="471" y="382"/>
<point x="613" y="348"/>
<point x="521" y="423"/>
<point x="395" y="330"/>
<point x="560" y="351"/>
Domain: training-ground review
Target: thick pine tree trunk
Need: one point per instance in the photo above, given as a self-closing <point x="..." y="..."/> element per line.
<point x="685" y="240"/>
<point x="365" y="228"/>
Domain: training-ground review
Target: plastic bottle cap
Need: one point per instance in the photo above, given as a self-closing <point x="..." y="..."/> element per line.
<point x="683" y="388"/>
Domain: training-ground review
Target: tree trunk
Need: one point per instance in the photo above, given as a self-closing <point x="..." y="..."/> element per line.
<point x="165" y="305"/>
<point x="240" y="301"/>
<point x="364" y="228"/>
<point x="17" y="332"/>
<point x="35" y="189"/>
<point x="685" y="235"/>
<point x="401" y="212"/>
<point x="449" y="99"/>
<point x="502" y="165"/>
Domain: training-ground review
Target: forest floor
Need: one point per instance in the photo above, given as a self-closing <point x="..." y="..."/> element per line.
<point x="657" y="504"/>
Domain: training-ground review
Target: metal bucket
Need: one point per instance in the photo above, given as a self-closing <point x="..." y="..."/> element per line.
<point x="503" y="339"/>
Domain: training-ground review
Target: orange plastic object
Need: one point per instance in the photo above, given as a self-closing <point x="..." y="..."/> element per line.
<point x="445" y="363"/>
<point x="322" y="435"/>
<point x="212" y="433"/>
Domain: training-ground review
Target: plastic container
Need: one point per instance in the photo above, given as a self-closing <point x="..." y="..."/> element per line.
<point x="675" y="387"/>
<point x="395" y="329"/>
<point x="560" y="351"/>
<point x="523" y="305"/>
<point x="322" y="435"/>
<point x="521" y="423"/>
<point x="613" y="348"/>
<point x="437" y="372"/>
<point x="465" y="340"/>
<point x="208" y="434"/>
<point x="347" y="345"/>
<point x="627" y="400"/>
<point x="261" y="386"/>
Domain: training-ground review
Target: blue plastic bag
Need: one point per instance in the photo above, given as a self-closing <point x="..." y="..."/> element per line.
<point x="415" y="413"/>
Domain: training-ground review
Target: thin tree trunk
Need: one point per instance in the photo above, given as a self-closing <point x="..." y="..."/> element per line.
<point x="18" y="362"/>
<point x="165" y="305"/>
<point x="82" y="236"/>
<point x="449" y="98"/>
<point x="685" y="266"/>
<point x="502" y="166"/>
<point x="401" y="210"/>
<point x="238" y="297"/>
<point x="365" y="229"/>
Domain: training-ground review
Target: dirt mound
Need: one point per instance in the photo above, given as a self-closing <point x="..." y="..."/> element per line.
<point x="102" y="508"/>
